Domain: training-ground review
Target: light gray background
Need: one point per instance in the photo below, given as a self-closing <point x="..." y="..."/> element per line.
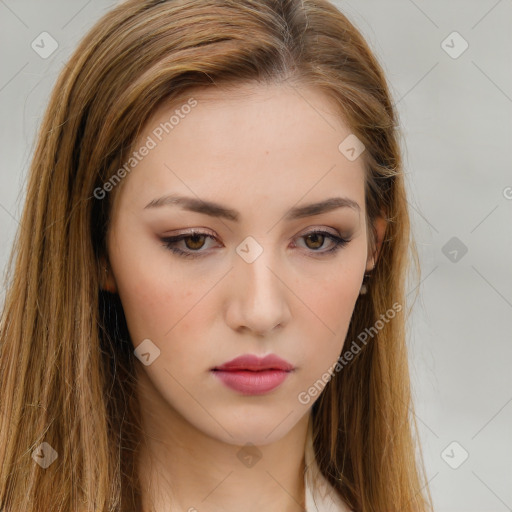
<point x="456" y="115"/>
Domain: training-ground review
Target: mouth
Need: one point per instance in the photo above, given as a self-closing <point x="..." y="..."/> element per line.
<point x="244" y="368"/>
<point x="252" y="375"/>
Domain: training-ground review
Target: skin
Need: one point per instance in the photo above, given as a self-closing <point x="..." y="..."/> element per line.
<point x="261" y="150"/>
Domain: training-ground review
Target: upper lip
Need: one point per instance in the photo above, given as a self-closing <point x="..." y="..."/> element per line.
<point x="255" y="363"/>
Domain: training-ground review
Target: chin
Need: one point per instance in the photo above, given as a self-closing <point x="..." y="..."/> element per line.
<point x="254" y="428"/>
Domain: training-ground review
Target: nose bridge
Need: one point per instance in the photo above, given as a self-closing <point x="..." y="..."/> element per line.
<point x="260" y="294"/>
<point x="254" y="268"/>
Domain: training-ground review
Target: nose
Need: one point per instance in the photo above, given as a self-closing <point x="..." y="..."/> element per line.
<point x="259" y="296"/>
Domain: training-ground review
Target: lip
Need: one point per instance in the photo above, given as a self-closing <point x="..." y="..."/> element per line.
<point x="253" y="375"/>
<point x="255" y="363"/>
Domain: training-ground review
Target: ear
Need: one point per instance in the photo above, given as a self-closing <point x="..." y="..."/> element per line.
<point x="107" y="280"/>
<point x="379" y="228"/>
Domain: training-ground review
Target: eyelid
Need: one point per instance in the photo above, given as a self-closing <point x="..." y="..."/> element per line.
<point x="190" y="232"/>
<point x="307" y="231"/>
<point x="206" y="231"/>
<point x="336" y="238"/>
<point x="313" y="229"/>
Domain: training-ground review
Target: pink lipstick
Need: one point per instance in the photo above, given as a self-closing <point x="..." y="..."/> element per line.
<point x="253" y="375"/>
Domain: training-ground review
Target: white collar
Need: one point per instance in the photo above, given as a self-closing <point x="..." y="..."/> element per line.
<point x="320" y="495"/>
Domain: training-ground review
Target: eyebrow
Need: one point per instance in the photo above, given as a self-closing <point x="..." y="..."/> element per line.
<point x="217" y="210"/>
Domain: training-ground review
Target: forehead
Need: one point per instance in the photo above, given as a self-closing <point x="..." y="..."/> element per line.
<point x="270" y="141"/>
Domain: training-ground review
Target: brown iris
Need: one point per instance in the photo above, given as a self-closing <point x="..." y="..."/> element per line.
<point x="315" y="236"/>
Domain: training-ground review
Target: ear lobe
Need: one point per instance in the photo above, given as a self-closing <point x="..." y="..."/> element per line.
<point x="107" y="280"/>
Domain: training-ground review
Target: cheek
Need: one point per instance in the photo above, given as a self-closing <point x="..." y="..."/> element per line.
<point x="326" y="311"/>
<point x="331" y="303"/>
<point x="156" y="306"/>
<point x="151" y="293"/>
<point x="174" y="312"/>
<point x="329" y="296"/>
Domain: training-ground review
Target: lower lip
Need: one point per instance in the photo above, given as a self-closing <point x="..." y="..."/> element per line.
<point x="252" y="383"/>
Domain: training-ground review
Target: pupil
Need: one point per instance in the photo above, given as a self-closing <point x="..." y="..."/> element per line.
<point x="316" y="236"/>
<point x="195" y="240"/>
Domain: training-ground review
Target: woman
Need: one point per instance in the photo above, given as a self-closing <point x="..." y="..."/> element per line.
<point x="207" y="306"/>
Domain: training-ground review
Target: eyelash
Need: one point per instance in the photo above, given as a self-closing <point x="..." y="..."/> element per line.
<point x="169" y="243"/>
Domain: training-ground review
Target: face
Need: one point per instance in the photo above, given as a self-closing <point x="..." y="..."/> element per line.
<point x="216" y="252"/>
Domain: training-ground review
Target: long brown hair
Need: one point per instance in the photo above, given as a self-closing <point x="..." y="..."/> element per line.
<point x="67" y="363"/>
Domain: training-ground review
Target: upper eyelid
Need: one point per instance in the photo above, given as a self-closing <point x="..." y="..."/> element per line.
<point x="199" y="231"/>
<point x="181" y="236"/>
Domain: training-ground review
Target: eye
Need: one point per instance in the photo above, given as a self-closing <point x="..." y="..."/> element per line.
<point x="315" y="240"/>
<point x="194" y="241"/>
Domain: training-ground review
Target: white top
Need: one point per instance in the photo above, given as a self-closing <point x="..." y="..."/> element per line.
<point x="320" y="495"/>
